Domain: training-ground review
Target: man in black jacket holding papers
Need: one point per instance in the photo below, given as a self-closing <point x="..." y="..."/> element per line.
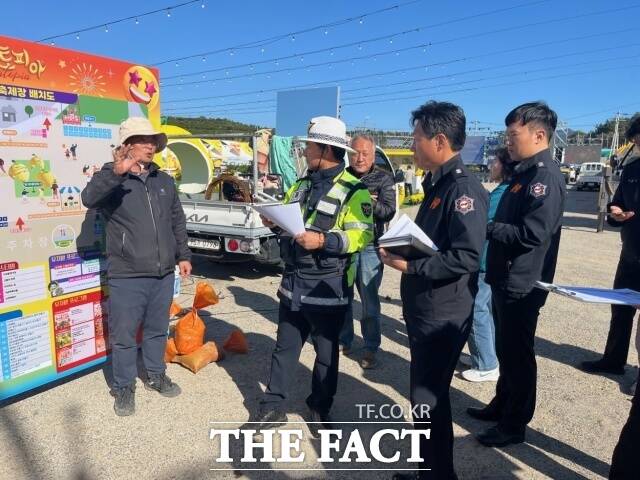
<point x="438" y="291"/>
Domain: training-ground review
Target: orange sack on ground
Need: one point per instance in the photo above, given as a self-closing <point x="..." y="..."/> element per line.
<point x="236" y="342"/>
<point x="174" y="309"/>
<point x="200" y="358"/>
<point x="205" y="296"/>
<point x="189" y="333"/>
<point x="170" y="351"/>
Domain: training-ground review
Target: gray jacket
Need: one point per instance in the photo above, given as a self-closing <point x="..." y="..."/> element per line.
<point x="145" y="224"/>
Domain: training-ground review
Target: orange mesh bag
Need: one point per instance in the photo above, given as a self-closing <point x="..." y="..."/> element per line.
<point x="236" y="342"/>
<point x="199" y="359"/>
<point x="205" y="296"/>
<point x="170" y="351"/>
<point x="175" y="309"/>
<point x="189" y="333"/>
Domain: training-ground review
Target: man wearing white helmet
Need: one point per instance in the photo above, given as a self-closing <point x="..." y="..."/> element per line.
<point x="317" y="284"/>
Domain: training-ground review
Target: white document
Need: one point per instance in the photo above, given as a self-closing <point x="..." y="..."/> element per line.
<point x="619" y="296"/>
<point x="288" y="216"/>
<point x="405" y="227"/>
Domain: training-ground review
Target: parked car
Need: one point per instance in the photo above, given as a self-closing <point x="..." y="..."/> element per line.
<point x="590" y="176"/>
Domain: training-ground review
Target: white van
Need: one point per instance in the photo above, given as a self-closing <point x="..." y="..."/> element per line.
<point x="590" y="176"/>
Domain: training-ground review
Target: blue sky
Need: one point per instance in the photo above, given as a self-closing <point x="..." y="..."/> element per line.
<point x="585" y="65"/>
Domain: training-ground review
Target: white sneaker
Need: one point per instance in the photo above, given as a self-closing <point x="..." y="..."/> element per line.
<point x="473" y="375"/>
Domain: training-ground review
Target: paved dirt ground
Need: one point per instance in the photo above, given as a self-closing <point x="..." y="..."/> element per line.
<point x="71" y="432"/>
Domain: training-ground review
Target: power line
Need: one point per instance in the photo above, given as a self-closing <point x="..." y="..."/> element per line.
<point x="77" y="32"/>
<point x="465" y="37"/>
<point x="356" y="43"/>
<point x="271" y="40"/>
<point x="406" y="69"/>
<point x="449" y="75"/>
<point x="524" y="72"/>
<point x="470" y="89"/>
<point x="495" y="85"/>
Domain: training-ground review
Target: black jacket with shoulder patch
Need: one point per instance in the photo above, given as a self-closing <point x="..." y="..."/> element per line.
<point x="524" y="236"/>
<point x="454" y="215"/>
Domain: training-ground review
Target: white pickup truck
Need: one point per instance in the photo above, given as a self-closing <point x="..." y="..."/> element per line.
<point x="590" y="176"/>
<point x="225" y="228"/>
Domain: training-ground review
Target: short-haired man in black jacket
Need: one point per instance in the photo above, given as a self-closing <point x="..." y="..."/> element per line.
<point x="438" y="291"/>
<point x="524" y="238"/>
<point x="382" y="189"/>
<point x="146" y="237"/>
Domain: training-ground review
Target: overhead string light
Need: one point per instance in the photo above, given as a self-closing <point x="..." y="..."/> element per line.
<point x="292" y="36"/>
<point x="136" y="18"/>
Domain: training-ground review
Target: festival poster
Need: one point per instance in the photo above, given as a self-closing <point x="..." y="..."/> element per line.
<point x="59" y="117"/>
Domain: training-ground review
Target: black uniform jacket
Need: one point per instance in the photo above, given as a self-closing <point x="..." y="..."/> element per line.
<point x="524" y="236"/>
<point x="627" y="197"/>
<point x="454" y="215"/>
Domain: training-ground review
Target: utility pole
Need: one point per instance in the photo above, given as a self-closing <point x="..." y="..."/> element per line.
<point x="616" y="137"/>
<point x="604" y="196"/>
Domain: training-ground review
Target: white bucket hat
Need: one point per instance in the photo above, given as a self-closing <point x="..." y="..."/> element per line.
<point x="328" y="131"/>
<point x="134" y="126"/>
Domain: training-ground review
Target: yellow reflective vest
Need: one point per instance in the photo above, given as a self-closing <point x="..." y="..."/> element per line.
<point x="319" y="279"/>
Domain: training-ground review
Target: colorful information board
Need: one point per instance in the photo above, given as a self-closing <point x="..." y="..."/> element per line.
<point x="59" y="117"/>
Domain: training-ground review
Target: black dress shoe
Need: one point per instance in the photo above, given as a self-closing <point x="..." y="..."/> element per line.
<point x="487" y="414"/>
<point x="495" y="437"/>
<point x="416" y="476"/>
<point x="406" y="476"/>
<point x="269" y="418"/>
<point x="601" y="366"/>
<point x="317" y="421"/>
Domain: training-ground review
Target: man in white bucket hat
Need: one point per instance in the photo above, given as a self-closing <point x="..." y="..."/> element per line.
<point x="146" y="237"/>
<point x="317" y="284"/>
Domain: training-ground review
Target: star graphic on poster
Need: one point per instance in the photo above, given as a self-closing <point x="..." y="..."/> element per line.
<point x="62" y="64"/>
<point x="150" y="89"/>
<point x="134" y="77"/>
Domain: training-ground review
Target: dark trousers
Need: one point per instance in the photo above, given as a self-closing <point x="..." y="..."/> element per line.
<point x="133" y="302"/>
<point x="516" y="320"/>
<point x="293" y="329"/>
<point x="435" y="345"/>
<point x="625" y="464"/>
<point x="617" y="348"/>
<point x="408" y="190"/>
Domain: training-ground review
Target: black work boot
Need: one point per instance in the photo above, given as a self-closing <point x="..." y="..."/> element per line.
<point x="268" y="418"/>
<point x="162" y="384"/>
<point x="125" y="404"/>
<point x="601" y="366"/>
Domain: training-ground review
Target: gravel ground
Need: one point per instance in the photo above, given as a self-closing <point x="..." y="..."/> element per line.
<point x="71" y="432"/>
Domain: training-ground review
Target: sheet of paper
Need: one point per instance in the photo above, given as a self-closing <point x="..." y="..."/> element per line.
<point x="620" y="296"/>
<point x="405" y="226"/>
<point x="288" y="217"/>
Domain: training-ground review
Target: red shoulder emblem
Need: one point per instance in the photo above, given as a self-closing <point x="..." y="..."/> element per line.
<point x="464" y="205"/>
<point x="538" y="190"/>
